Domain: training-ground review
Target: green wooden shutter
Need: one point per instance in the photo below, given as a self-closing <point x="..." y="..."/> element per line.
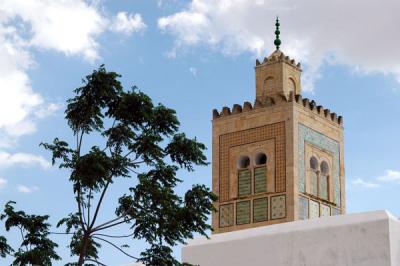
<point x="260" y="179"/>
<point x="314" y="183"/>
<point x="244" y="182"/>
<point x="323" y="187"/>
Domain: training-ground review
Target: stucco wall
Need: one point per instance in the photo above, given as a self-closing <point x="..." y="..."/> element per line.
<point x="363" y="239"/>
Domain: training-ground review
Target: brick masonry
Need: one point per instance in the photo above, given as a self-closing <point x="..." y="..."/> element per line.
<point x="288" y="129"/>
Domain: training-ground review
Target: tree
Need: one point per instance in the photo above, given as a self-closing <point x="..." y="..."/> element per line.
<point x="141" y="142"/>
<point x="36" y="248"/>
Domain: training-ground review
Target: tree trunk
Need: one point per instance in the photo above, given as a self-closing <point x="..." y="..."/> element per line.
<point x="84" y="247"/>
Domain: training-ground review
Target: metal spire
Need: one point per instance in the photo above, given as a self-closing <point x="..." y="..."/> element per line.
<point x="277" y="41"/>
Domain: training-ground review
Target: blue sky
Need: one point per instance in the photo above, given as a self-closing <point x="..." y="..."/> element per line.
<point x="194" y="56"/>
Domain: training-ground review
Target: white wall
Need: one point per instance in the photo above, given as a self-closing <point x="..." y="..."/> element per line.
<point x="363" y="239"/>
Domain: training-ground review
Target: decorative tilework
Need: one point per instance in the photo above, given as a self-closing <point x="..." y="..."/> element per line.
<point x="278" y="207"/>
<point x="323" y="187"/>
<point x="243" y="212"/>
<point x="273" y="131"/>
<point x="314" y="184"/>
<point x="336" y="211"/>
<point x="260" y="179"/>
<point x="303" y="208"/>
<point x="244" y="182"/>
<point x="226" y="215"/>
<point x="325" y="210"/>
<point x="307" y="134"/>
<point x="314" y="209"/>
<point x="260" y="209"/>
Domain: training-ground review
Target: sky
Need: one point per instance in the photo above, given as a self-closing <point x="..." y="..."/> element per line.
<point x="193" y="56"/>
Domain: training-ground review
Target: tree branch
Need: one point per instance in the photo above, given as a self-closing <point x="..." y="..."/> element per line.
<point x="78" y="200"/>
<point x="112" y="236"/>
<point x="59" y="233"/>
<point x="113" y="124"/>
<point x="130" y="169"/>
<point x="96" y="261"/>
<point x="99" y="204"/>
<point x="111" y="221"/>
<point x="88" y="208"/>
<point x="79" y="197"/>
<point x="22" y="236"/>
<point x="111" y="225"/>
<point x="115" y="246"/>
<point x="80" y="144"/>
<point x="129" y="153"/>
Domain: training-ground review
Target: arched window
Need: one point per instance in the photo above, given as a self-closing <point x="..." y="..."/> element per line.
<point x="324" y="181"/>
<point x="324" y="168"/>
<point x="260" y="173"/>
<point x="314" y="176"/>
<point x="269" y="84"/>
<point x="291" y="85"/>
<point x="314" y="163"/>
<point x="243" y="162"/>
<point x="244" y="176"/>
<point x="260" y="158"/>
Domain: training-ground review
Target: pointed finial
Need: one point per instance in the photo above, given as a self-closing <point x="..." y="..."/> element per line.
<point x="277" y="41"/>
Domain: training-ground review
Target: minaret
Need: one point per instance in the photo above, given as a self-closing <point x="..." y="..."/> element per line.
<point x="279" y="159"/>
<point x="277" y="74"/>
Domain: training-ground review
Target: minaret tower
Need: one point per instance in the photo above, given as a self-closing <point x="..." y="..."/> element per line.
<point x="277" y="75"/>
<point x="279" y="159"/>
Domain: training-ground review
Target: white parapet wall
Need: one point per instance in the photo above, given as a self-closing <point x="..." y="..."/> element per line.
<point x="360" y="239"/>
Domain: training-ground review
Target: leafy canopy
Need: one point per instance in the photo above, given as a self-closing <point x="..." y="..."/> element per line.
<point x="36" y="248"/>
<point x="141" y="143"/>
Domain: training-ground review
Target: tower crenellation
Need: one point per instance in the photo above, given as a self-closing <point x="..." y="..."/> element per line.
<point x="305" y="103"/>
<point x="280" y="158"/>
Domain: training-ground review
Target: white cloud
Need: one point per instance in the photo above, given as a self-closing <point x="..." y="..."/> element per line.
<point x="26" y="189"/>
<point x="24" y="127"/>
<point x="22" y="159"/>
<point x="360" y="34"/>
<point x="390" y="176"/>
<point x="362" y="183"/>
<point x="3" y="182"/>
<point x="48" y="110"/>
<point x="70" y="27"/>
<point x="128" y="23"/>
<point x="193" y="70"/>
<point x="17" y="99"/>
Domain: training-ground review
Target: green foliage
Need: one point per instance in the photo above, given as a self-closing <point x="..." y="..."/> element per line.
<point x="77" y="242"/>
<point x="158" y="255"/>
<point x="92" y="170"/>
<point x="141" y="142"/>
<point x="186" y="152"/>
<point x="5" y="249"/>
<point x="36" y="248"/>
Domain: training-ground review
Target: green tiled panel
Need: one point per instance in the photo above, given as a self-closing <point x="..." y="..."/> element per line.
<point x="323" y="187"/>
<point x="260" y="210"/>
<point x="314" y="209"/>
<point x="260" y="180"/>
<point x="336" y="211"/>
<point x="314" y="184"/>
<point x="325" y="210"/>
<point x="278" y="207"/>
<point x="226" y="215"/>
<point x="243" y="212"/>
<point x="303" y="208"/>
<point x="244" y="183"/>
